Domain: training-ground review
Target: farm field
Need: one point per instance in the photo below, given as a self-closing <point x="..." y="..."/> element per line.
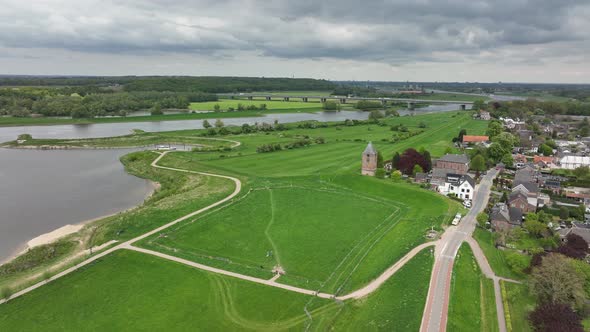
<point x="472" y="306"/>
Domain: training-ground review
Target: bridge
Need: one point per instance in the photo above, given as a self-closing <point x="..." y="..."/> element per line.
<point x="342" y="99"/>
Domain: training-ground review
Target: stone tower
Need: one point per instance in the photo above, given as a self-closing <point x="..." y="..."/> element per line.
<point x="369" y="159"/>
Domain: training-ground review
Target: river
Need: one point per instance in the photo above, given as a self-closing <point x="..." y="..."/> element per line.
<point x="45" y="190"/>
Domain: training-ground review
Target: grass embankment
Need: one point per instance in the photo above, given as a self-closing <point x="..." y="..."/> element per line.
<point x="137" y="139"/>
<point x="472" y="305"/>
<point x="518" y="303"/>
<point x="135" y="292"/>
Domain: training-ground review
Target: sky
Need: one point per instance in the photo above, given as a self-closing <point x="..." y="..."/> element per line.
<point x="386" y="40"/>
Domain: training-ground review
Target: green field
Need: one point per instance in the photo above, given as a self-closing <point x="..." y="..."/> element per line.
<point x="517" y="305"/>
<point x="225" y="104"/>
<point x="312" y="229"/>
<point x="129" y="291"/>
<point x="472" y="304"/>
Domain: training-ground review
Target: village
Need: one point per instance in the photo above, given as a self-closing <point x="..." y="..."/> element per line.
<point x="543" y="182"/>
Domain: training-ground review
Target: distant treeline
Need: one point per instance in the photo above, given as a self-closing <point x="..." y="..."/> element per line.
<point x="47" y="102"/>
<point x="523" y="108"/>
<point x="83" y="97"/>
<point x="211" y="84"/>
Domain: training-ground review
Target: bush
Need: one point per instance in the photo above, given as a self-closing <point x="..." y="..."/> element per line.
<point x="24" y="137"/>
<point x="380" y="173"/>
<point x="6" y="293"/>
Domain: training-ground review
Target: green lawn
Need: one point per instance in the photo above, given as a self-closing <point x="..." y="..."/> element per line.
<point x="225" y="104"/>
<point x="517" y="305"/>
<point x="472" y="304"/>
<point x="496" y="257"/>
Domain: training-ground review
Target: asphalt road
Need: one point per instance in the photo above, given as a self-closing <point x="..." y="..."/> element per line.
<point x="437" y="303"/>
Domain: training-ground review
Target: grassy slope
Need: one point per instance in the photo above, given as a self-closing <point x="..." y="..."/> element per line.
<point x="520" y="304"/>
<point x="397" y="306"/>
<point x="472" y="305"/>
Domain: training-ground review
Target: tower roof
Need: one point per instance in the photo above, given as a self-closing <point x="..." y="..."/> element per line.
<point x="370" y="149"/>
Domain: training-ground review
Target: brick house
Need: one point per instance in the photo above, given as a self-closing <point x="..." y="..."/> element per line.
<point x="455" y="163"/>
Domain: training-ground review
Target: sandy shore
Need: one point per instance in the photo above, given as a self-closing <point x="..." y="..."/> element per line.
<point x="66" y="230"/>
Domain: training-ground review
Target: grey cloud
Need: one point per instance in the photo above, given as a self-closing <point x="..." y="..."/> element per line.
<point x="389" y="31"/>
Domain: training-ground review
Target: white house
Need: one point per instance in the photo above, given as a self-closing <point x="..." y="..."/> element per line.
<point x="462" y="186"/>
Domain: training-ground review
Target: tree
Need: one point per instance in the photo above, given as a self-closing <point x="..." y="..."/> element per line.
<point x="24" y="137"/>
<point x="428" y="160"/>
<point x="574" y="247"/>
<point x="395" y="161"/>
<point x="219" y="123"/>
<point x="375" y="116"/>
<point x="564" y="213"/>
<point x="379" y="160"/>
<point x="552" y="317"/>
<point x="478" y="164"/>
<point x="380" y="173"/>
<point x="216" y="107"/>
<point x="482" y="219"/>
<point x="417" y="169"/>
<point x="507" y="160"/>
<point x="396" y="175"/>
<point x="496" y="152"/>
<point x="409" y="159"/>
<point x="156" y="110"/>
<point x="478" y="105"/>
<point x="545" y="149"/>
<point x="494" y="128"/>
<point x="535" y="227"/>
<point x="206" y="124"/>
<point x="556" y="281"/>
<point x="506" y="140"/>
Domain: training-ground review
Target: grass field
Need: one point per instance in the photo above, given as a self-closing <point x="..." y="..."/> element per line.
<point x="312" y="229"/>
<point x="520" y="303"/>
<point x="472" y="304"/>
<point x="140" y="292"/>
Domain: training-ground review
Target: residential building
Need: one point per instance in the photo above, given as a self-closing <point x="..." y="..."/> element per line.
<point x="462" y="186"/>
<point x="485" y="115"/>
<point x="472" y="139"/>
<point x="458" y="163"/>
<point x="504" y="217"/>
<point x="573" y="162"/>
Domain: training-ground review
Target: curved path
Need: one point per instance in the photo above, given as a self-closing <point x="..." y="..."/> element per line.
<point x="128" y="245"/>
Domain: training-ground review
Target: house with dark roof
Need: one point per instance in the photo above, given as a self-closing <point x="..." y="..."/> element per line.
<point x="462" y="186"/>
<point x="505" y="217"/>
<point x="421" y="178"/>
<point x="458" y="163"/>
<point x="520" y="200"/>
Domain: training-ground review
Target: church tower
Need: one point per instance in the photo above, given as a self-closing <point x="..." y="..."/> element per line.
<point x="369" y="160"/>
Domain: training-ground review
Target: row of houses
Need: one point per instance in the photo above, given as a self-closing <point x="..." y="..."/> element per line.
<point x="524" y="198"/>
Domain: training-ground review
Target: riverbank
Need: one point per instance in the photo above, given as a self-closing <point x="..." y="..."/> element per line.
<point x="66" y="230"/>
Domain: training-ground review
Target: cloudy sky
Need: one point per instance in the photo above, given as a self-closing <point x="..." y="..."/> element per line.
<point x="394" y="40"/>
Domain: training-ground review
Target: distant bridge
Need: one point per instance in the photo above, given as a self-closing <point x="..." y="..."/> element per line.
<point x="342" y="99"/>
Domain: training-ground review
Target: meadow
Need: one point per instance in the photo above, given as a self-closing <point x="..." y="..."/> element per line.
<point x="518" y="303"/>
<point x="472" y="306"/>
<point x="140" y="292"/>
<point x="497" y="257"/>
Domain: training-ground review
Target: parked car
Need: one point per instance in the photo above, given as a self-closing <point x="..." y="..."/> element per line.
<point x="467" y="203"/>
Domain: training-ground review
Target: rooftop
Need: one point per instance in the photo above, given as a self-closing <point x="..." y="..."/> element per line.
<point x="475" y="139"/>
<point x="455" y="158"/>
<point x="370" y="149"/>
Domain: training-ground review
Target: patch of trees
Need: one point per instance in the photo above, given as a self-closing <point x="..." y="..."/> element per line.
<point x="400" y="136"/>
<point x="411" y="161"/>
<point x="48" y="103"/>
<point x="331" y="105"/>
<point x="524" y="108"/>
<point x="366" y="105"/>
<point x="293" y="145"/>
